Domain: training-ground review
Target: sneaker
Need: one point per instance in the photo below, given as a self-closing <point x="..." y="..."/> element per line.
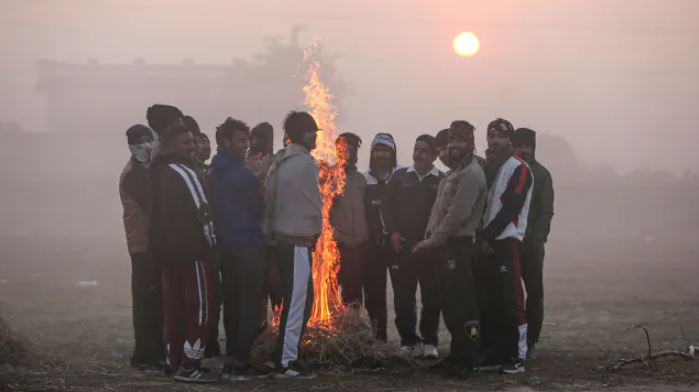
<point x="294" y="370"/>
<point x="513" y="367"/>
<point x="243" y="373"/>
<point x="429" y="351"/>
<point x="198" y="375"/>
<point x="410" y="351"/>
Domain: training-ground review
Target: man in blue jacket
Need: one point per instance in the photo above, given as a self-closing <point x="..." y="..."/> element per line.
<point x="238" y="206"/>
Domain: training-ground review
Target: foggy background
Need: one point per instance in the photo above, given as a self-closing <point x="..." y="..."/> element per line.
<point x="611" y="87"/>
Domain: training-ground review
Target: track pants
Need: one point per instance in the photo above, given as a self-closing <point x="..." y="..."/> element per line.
<point x="533" y="275"/>
<point x="188" y="302"/>
<point x="243" y="272"/>
<point x="146" y="310"/>
<point x="375" y="289"/>
<point x="351" y="274"/>
<point x="213" y="347"/>
<point x="271" y="292"/>
<point x="459" y="301"/>
<point x="407" y="270"/>
<point x="501" y="297"/>
<point x="297" y="299"/>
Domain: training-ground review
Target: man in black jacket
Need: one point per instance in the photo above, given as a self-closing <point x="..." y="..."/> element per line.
<point x="405" y="209"/>
<point x="382" y="164"/>
<point x="182" y="240"/>
<point x="538" y="227"/>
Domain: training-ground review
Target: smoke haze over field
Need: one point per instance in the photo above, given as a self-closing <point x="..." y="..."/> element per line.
<point x="611" y="87"/>
<point x="616" y="79"/>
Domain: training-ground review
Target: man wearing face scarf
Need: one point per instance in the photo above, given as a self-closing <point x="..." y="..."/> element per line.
<point x="134" y="190"/>
<point x="453" y="221"/>
<point x="382" y="165"/>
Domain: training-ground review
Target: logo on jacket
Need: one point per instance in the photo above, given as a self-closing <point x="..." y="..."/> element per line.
<point x="451" y="265"/>
<point x="503" y="269"/>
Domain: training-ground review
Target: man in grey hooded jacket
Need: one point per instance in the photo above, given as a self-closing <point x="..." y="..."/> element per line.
<point x="293" y="222"/>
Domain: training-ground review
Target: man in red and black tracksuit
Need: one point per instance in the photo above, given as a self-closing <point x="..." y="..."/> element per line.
<point x="382" y="164"/>
<point x="183" y="242"/>
<point x="405" y="209"/>
<point x="504" y="224"/>
<point x="538" y="227"/>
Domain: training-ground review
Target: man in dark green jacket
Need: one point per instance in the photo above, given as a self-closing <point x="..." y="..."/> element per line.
<point x="538" y="227"/>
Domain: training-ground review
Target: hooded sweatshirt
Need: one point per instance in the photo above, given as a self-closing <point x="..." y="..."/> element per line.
<point x="293" y="197"/>
<point x="347" y="215"/>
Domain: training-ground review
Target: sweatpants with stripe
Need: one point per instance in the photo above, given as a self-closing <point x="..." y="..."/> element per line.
<point x="243" y="272"/>
<point x="501" y="298"/>
<point x="188" y="305"/>
<point x="294" y="263"/>
<point x="407" y="270"/>
<point x="459" y="301"/>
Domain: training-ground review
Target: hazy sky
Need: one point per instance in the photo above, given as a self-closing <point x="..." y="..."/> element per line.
<point x="618" y="79"/>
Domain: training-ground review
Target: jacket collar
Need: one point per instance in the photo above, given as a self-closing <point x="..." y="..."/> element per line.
<point x="433" y="172"/>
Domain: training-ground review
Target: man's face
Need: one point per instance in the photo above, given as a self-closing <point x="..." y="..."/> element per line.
<point x="525" y="152"/>
<point x="203" y="150"/>
<point x="423" y="156"/>
<point x="181" y="146"/>
<point x="238" y="144"/>
<point x="144" y="139"/>
<point x="458" y="148"/>
<point x="350" y="152"/>
<point x="498" y="141"/>
<point x="308" y="140"/>
<point x="382" y="156"/>
<point x="258" y="144"/>
<point x="443" y="154"/>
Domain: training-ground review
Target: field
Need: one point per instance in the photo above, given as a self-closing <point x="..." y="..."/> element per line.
<point x="596" y="292"/>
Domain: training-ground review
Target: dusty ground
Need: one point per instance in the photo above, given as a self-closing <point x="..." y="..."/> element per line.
<point x="595" y="292"/>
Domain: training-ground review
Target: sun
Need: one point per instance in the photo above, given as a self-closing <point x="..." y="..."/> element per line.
<point x="466" y="44"/>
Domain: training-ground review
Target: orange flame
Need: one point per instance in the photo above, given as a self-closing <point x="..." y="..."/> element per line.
<point x="331" y="159"/>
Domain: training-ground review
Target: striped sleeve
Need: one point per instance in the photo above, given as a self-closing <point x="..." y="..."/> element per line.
<point x="512" y="199"/>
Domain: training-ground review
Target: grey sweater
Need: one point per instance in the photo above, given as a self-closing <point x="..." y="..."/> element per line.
<point x="294" y="205"/>
<point x="459" y="205"/>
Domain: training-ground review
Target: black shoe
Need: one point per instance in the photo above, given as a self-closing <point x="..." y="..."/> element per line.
<point x="243" y="373"/>
<point x="294" y="370"/>
<point x="199" y="375"/>
<point x="513" y="367"/>
<point x="532" y="352"/>
<point x="458" y="370"/>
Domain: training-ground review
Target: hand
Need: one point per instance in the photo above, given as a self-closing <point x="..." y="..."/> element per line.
<point x="486" y="249"/>
<point x="420" y="246"/>
<point x="397" y="242"/>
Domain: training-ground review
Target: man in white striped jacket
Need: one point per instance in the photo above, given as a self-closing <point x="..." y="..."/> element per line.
<point x="504" y="223"/>
<point x="183" y="241"/>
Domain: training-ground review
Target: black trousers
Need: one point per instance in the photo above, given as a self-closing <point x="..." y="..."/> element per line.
<point x="501" y="300"/>
<point x="533" y="275"/>
<point x="375" y="288"/>
<point x="295" y="270"/>
<point x="407" y="269"/>
<point x="459" y="301"/>
<point x="351" y="274"/>
<point x="243" y="273"/>
<point x="213" y="348"/>
<point x="147" y="311"/>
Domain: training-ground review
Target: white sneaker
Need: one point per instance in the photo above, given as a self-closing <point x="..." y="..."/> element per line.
<point x="429" y="351"/>
<point x="410" y="351"/>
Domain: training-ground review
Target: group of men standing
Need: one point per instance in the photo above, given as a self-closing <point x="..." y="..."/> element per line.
<point x="242" y="231"/>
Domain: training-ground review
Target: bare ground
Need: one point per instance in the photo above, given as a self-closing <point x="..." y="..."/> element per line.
<point x="595" y="293"/>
